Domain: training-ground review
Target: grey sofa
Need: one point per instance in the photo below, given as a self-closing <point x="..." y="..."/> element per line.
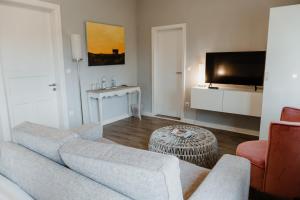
<point x="49" y="164"/>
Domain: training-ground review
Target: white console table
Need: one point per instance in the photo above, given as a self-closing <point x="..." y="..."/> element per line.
<point x="101" y="94"/>
<point x="241" y="102"/>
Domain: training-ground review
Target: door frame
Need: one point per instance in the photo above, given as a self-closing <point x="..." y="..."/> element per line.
<point x="155" y="31"/>
<point x="55" y="17"/>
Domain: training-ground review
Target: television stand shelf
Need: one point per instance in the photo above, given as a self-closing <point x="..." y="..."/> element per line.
<point x="235" y="101"/>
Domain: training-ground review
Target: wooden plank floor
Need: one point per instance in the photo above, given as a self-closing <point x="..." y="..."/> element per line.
<point x="136" y="133"/>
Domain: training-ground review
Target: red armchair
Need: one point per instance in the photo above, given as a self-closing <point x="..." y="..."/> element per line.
<point x="275" y="164"/>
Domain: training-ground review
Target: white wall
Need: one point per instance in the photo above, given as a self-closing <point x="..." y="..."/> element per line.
<point x="1" y="132"/>
<point x="74" y="15"/>
<point x="212" y="25"/>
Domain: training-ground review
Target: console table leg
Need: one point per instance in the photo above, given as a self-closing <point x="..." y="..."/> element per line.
<point x="100" y="111"/>
<point x="129" y="104"/>
<point x="139" y="104"/>
<point x="90" y="109"/>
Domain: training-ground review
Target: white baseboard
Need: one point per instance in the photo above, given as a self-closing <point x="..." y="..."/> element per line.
<point x="210" y="125"/>
<point x="148" y="114"/>
<point x="115" y="119"/>
<point x="221" y="127"/>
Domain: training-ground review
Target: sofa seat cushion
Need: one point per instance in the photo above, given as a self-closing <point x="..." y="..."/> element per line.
<point x="135" y="173"/>
<point x="42" y="139"/>
<point x="255" y="152"/>
<point x="191" y="177"/>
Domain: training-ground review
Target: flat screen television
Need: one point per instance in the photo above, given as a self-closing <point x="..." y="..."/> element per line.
<point x="238" y="68"/>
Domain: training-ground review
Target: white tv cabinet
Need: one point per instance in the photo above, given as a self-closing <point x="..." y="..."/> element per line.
<point x="241" y="102"/>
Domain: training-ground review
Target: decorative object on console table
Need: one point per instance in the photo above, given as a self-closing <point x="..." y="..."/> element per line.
<point x="105" y="44"/>
<point x="103" y="83"/>
<point x="113" y="82"/>
<point x="77" y="57"/>
<point x="189" y="143"/>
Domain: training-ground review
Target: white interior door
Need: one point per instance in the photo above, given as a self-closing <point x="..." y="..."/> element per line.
<point x="28" y="65"/>
<point x="168" y="72"/>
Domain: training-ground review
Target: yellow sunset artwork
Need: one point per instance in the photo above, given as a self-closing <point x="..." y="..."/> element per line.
<point x="105" y="44"/>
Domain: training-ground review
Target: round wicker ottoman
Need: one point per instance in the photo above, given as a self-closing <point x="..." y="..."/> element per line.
<point x="190" y="143"/>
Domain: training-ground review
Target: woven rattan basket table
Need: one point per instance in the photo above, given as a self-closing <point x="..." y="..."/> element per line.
<point x="193" y="144"/>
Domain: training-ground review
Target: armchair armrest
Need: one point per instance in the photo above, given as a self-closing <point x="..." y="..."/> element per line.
<point x="290" y="114"/>
<point x="228" y="180"/>
<point x="89" y="131"/>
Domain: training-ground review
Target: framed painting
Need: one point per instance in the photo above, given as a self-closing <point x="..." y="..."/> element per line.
<point x="105" y="44"/>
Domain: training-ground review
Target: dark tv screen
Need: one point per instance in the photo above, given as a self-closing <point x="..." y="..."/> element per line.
<point x="239" y="68"/>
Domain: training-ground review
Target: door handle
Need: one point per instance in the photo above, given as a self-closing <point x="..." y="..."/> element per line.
<point x="179" y="73"/>
<point x="52" y="85"/>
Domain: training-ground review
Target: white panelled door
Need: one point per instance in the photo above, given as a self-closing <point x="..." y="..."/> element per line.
<point x="28" y="65"/>
<point x="169" y="62"/>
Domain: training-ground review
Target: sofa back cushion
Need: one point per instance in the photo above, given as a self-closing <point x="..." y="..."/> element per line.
<point x="135" y="173"/>
<point x="41" y="139"/>
<point x="44" y="179"/>
<point x="89" y="131"/>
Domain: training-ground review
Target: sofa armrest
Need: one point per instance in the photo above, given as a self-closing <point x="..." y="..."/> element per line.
<point x="228" y="180"/>
<point x="89" y="131"/>
<point x="10" y="191"/>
